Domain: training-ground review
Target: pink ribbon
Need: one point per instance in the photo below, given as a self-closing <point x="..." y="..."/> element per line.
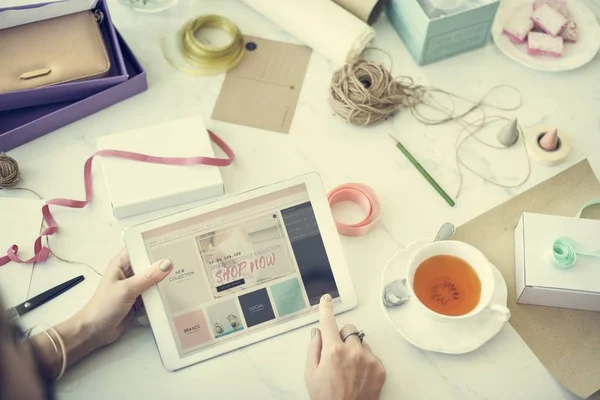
<point x="51" y="227"/>
<point x="366" y="198"/>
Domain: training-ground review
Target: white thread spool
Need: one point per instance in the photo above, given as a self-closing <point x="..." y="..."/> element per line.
<point x="542" y="156"/>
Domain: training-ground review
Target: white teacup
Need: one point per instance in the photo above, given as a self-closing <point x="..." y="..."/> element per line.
<point x="476" y="260"/>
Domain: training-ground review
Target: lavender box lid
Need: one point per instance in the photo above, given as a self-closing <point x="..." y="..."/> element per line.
<point x="23" y="125"/>
<point x="72" y="90"/>
<point x="38" y="10"/>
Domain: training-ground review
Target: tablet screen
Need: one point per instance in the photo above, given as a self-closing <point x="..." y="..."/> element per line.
<point x="240" y="268"/>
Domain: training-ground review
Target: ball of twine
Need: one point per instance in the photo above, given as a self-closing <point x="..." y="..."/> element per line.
<point x="9" y="171"/>
<point x="364" y="93"/>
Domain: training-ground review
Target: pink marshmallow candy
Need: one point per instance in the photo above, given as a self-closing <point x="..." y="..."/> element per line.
<point x="518" y="27"/>
<point x="569" y="32"/>
<point x="558" y="5"/>
<point x="549" y="20"/>
<point x="542" y="44"/>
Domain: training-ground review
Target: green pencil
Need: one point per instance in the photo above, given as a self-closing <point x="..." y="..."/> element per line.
<point x="423" y="172"/>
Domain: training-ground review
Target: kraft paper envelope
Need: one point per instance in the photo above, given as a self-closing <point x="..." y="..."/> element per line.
<point x="566" y="341"/>
<point x="263" y="90"/>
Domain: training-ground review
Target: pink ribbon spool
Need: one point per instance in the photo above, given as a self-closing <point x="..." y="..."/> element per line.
<point x="366" y="198"/>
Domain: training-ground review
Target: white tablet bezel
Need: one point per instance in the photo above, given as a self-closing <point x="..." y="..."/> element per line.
<point x="153" y="303"/>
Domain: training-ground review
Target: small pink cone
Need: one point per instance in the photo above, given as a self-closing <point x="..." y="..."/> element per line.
<point x="550" y="140"/>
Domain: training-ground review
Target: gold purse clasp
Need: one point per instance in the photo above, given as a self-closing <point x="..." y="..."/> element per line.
<point x="35" y="74"/>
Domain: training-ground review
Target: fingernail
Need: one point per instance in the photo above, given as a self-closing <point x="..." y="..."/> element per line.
<point x="166" y="265"/>
<point x="326" y="297"/>
<point x="313" y="332"/>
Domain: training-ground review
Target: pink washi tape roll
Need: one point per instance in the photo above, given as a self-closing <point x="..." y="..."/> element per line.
<point x="366" y="198"/>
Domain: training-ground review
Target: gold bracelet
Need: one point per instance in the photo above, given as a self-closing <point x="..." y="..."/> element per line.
<point x="207" y="60"/>
<point x="63" y="349"/>
<point x="29" y="331"/>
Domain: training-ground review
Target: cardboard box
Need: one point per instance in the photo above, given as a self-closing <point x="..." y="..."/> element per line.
<point x="132" y="186"/>
<point x="537" y="279"/>
<point x="72" y="90"/>
<point x="431" y="39"/>
<point x="23" y="125"/>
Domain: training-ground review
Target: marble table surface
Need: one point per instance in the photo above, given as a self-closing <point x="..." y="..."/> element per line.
<point x="504" y="368"/>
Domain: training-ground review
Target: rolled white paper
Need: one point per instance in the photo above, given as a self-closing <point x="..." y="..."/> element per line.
<point x="365" y="10"/>
<point x="321" y="24"/>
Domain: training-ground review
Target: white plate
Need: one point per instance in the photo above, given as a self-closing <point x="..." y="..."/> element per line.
<point x="423" y="331"/>
<point x="574" y="56"/>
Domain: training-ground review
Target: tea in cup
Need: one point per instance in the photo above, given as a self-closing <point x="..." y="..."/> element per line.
<point x="452" y="280"/>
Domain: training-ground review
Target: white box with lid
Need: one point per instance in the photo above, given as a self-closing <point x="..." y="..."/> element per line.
<point x="538" y="281"/>
<point x="136" y="187"/>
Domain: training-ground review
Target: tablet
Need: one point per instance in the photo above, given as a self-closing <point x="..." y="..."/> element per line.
<point x="245" y="268"/>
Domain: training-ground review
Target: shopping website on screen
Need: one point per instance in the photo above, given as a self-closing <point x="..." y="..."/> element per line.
<point x="241" y="267"/>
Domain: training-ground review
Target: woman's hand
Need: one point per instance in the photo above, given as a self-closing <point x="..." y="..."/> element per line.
<point x="104" y="319"/>
<point x="111" y="309"/>
<point x="341" y="371"/>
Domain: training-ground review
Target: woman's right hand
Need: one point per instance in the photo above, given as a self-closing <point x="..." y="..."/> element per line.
<point x="341" y="371"/>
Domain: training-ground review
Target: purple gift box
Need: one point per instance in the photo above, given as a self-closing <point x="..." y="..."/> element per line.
<point x="79" y="89"/>
<point x="23" y="125"/>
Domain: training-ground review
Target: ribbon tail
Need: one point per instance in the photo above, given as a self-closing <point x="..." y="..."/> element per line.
<point x="42" y="252"/>
<point x="40" y="255"/>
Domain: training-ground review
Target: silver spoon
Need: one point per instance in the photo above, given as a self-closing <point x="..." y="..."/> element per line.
<point x="447" y="230"/>
<point x="396" y="293"/>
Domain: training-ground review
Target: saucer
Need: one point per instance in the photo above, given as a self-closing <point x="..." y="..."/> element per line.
<point x="422" y="330"/>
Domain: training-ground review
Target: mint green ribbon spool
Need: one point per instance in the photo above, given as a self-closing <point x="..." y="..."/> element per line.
<point x="565" y="249"/>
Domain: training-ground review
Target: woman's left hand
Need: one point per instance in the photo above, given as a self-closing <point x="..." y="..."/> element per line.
<point x="111" y="309"/>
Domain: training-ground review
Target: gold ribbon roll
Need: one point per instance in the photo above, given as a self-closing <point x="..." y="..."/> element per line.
<point x="202" y="59"/>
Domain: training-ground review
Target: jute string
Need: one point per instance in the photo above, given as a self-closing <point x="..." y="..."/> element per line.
<point x="9" y="171"/>
<point x="364" y="93"/>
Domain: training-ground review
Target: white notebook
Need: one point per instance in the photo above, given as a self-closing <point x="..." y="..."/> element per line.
<point x="136" y="187"/>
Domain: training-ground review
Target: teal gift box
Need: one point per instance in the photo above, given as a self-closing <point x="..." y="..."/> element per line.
<point x="431" y="36"/>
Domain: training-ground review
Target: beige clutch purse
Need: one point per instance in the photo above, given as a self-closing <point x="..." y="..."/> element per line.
<point x="52" y="51"/>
